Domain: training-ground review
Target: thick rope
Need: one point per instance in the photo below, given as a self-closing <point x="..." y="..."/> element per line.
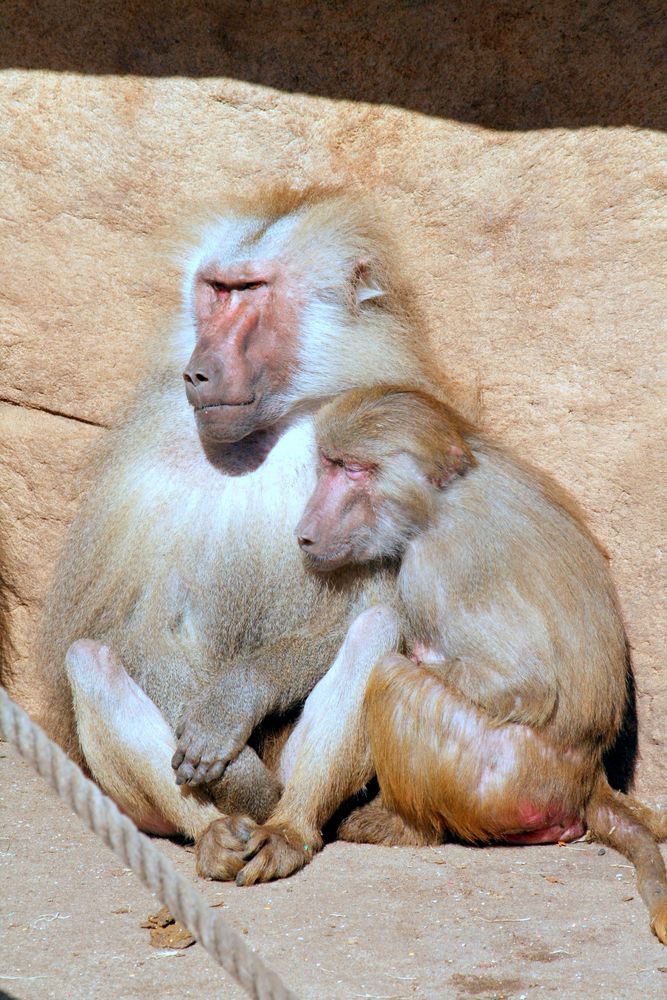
<point x="157" y="873"/>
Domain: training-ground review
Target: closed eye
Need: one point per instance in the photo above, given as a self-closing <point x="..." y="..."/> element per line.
<point x="354" y="471"/>
<point x="224" y="287"/>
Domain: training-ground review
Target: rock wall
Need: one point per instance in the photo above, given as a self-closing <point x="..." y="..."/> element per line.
<point x="524" y="144"/>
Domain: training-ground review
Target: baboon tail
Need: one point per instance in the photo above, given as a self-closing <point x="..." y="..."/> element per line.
<point x="619" y="821"/>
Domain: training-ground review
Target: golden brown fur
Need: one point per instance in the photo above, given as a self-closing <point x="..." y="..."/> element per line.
<point x="527" y="648"/>
<point x="496" y="728"/>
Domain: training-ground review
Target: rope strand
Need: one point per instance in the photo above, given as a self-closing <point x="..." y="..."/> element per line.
<point x="157" y="873"/>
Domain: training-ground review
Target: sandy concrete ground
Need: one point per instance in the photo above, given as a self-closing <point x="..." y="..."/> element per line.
<point x="375" y="923"/>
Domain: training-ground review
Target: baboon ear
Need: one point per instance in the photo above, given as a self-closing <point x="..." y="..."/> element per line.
<point x="456" y="463"/>
<point x="365" y="285"/>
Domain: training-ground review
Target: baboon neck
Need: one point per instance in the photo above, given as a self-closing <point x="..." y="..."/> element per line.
<point x="242" y="457"/>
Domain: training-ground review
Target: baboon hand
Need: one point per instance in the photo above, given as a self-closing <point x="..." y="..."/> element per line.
<point x="212" y="732"/>
<point x="235" y="847"/>
<point x="275" y="851"/>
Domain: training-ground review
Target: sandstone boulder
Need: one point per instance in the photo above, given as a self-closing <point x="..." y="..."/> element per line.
<point x="523" y="144"/>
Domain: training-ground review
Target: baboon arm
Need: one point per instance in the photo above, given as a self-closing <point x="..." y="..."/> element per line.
<point x="279" y="676"/>
<point x="275" y="678"/>
<point x="522" y="697"/>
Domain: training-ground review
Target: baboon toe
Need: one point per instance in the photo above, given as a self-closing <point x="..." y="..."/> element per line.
<point x="273" y="853"/>
<point x="221" y="849"/>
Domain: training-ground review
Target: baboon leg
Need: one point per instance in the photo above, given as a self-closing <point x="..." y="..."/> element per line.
<point x="325" y="760"/>
<point x="374" y="823"/>
<point x="128" y="745"/>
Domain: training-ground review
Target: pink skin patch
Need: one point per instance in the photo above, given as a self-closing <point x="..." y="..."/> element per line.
<point x="545" y="826"/>
<point x="555" y="834"/>
<point x="154" y="823"/>
<point x="422" y="653"/>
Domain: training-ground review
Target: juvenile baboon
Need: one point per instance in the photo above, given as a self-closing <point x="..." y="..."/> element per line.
<point x="496" y="726"/>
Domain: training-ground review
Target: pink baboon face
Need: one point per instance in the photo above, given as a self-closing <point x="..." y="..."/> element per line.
<point x="246" y="320"/>
<point x="338" y="523"/>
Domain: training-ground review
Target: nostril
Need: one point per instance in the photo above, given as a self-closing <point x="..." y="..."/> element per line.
<point x="195" y="377"/>
<point x="304" y="542"/>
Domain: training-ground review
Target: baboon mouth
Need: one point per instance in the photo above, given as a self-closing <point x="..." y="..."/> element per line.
<point x="328" y="560"/>
<point x="216" y="406"/>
